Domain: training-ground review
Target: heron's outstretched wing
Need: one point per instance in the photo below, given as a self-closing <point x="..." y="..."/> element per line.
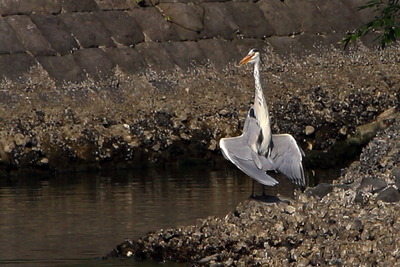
<point x="239" y="151"/>
<point x="286" y="157"/>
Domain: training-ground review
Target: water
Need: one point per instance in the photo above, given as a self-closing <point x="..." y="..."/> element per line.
<point x="71" y="219"/>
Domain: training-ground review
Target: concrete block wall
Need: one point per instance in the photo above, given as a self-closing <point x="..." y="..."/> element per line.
<point x="73" y="40"/>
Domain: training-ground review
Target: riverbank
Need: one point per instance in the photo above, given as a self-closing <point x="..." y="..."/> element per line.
<point x="351" y="223"/>
<point x="135" y="120"/>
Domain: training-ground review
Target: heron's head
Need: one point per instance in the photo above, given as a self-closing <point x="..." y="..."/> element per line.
<point x="252" y="57"/>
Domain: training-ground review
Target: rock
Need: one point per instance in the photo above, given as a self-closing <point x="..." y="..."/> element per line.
<point x="250" y="20"/>
<point x="156" y="56"/>
<point x="370" y="184"/>
<point x="156" y="147"/>
<point x="87" y="29"/>
<point x="186" y="55"/>
<point x="9" y="41"/>
<point x="343" y="131"/>
<point x="20" y="139"/>
<point x="129" y="60"/>
<point x="361" y="198"/>
<point x="56" y="33"/>
<point x="113" y="4"/>
<point x="320" y="190"/>
<point x="154" y="26"/>
<point x="338" y="15"/>
<point x="390" y="194"/>
<point x="208" y="259"/>
<point x="30" y="36"/>
<point x="213" y="145"/>
<point x="223" y="112"/>
<point x="95" y="62"/>
<point x="396" y="176"/>
<point x="79" y="6"/>
<point x="309" y="130"/>
<point x="11" y="7"/>
<point x="188" y="16"/>
<point x="219" y="50"/>
<point x="276" y="13"/>
<point x="218" y="21"/>
<point x="123" y="28"/>
<point x="62" y="68"/>
<point x="44" y="161"/>
<point x="290" y="209"/>
<point x="307" y="15"/>
<point x="21" y="62"/>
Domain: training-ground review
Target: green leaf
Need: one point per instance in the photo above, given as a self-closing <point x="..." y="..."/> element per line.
<point x="386" y="21"/>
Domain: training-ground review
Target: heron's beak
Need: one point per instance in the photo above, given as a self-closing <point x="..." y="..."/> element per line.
<point x="245" y="60"/>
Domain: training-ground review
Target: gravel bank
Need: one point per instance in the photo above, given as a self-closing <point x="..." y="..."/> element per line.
<point x="331" y="231"/>
<point x="354" y="222"/>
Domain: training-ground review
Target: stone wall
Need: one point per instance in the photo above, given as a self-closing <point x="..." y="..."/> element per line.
<point x="72" y="40"/>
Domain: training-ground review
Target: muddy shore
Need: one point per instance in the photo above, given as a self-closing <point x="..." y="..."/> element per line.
<point x="355" y="222"/>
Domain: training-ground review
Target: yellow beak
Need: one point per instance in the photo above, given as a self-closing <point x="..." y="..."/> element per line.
<point x="245" y="60"/>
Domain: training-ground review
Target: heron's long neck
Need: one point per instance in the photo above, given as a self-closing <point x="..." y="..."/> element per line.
<point x="261" y="111"/>
<point x="259" y="95"/>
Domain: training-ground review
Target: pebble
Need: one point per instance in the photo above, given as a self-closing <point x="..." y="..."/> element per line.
<point x="309" y="130"/>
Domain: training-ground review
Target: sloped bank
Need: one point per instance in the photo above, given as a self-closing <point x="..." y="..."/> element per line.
<point x="353" y="225"/>
<point x="157" y="118"/>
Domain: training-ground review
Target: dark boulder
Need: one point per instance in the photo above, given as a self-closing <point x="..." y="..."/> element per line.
<point x="390" y="194"/>
<point x="320" y="190"/>
<point x="396" y="176"/>
<point x="370" y="184"/>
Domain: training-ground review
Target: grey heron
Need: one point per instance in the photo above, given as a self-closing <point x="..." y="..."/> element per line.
<point x="257" y="150"/>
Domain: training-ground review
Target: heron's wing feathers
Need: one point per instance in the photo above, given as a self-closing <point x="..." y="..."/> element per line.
<point x="240" y="153"/>
<point x="251" y="129"/>
<point x="286" y="157"/>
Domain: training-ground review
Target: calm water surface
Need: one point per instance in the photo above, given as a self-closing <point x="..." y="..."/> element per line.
<point x="69" y="220"/>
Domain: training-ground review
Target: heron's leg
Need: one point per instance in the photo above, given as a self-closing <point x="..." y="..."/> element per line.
<point x="252" y="193"/>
